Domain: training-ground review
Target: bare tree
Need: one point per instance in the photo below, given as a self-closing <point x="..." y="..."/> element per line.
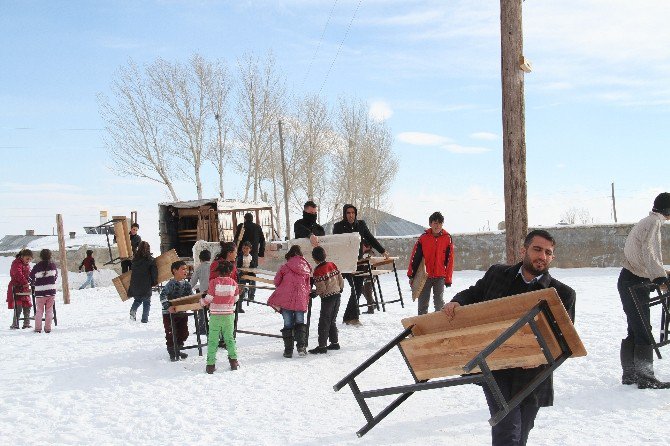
<point x="584" y="216"/>
<point x="135" y="135"/>
<point x="183" y="93"/>
<point x="570" y="216"/>
<point x="311" y="139"/>
<point x="220" y="142"/>
<point x="260" y="101"/>
<point x="364" y="164"/>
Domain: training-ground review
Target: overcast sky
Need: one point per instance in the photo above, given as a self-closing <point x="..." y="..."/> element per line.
<point x="597" y="101"/>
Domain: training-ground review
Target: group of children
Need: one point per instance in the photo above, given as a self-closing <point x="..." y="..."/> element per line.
<point x="43" y="278"/>
<point x="218" y="281"/>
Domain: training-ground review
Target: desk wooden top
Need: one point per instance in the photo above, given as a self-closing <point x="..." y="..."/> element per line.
<point x="258" y="271"/>
<point x="442" y="346"/>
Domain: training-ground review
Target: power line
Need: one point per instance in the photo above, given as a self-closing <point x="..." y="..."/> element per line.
<point x="318" y="45"/>
<point x="340" y="47"/>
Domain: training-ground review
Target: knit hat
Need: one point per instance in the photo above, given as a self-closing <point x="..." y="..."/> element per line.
<point x="662" y="204"/>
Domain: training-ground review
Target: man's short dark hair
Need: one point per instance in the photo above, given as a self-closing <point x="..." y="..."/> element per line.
<point x="538" y="233"/>
<point x="319" y="254"/>
<point x="205" y="255"/>
<point x="247" y="243"/>
<point x="436" y="216"/>
<point x="309" y="204"/>
<point x="248" y="217"/>
<point x="176" y="265"/>
<point x="135" y="225"/>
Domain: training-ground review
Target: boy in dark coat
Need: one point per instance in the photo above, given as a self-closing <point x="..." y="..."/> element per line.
<point x="176" y="287"/>
<point x="329" y="283"/>
<point x="348" y="225"/>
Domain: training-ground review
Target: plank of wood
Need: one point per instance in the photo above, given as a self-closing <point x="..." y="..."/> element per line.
<point x="126" y="234"/>
<point x="506" y="308"/>
<point x="258" y="271"/>
<point x="163" y="263"/>
<point x="187" y="307"/>
<point x="120" y="239"/>
<point x="186" y="299"/>
<point x="341" y="249"/>
<point x="258" y="279"/>
<point x="419" y="280"/>
<point x="445" y="353"/>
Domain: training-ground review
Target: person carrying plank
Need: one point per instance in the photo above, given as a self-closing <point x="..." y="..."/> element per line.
<point x="531" y="274"/>
<point x="436" y="248"/>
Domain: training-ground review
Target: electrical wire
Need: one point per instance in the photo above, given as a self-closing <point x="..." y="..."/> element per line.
<point x="340" y="47"/>
<point x="323" y="33"/>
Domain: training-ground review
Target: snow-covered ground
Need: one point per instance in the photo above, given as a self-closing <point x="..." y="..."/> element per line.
<point x="100" y="378"/>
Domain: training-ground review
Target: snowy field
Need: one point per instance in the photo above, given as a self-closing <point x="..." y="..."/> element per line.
<point x="99" y="378"/>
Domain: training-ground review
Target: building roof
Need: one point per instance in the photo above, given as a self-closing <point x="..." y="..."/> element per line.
<point x="385" y="225"/>
<point x="227" y="204"/>
<point x="17" y="242"/>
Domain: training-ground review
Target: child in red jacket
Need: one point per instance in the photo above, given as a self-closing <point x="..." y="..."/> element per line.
<point x="19" y="274"/>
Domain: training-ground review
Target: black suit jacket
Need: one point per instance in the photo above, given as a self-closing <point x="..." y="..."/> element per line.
<point x="495" y="284"/>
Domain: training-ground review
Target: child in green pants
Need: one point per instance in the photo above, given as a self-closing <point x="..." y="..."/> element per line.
<point x="222" y="294"/>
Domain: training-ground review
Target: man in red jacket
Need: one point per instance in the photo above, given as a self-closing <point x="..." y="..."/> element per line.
<point x="436" y="248"/>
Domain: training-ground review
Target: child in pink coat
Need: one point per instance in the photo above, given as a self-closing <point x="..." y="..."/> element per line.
<point x="291" y="298"/>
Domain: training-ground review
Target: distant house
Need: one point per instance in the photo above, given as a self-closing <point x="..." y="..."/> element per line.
<point x="383" y="224"/>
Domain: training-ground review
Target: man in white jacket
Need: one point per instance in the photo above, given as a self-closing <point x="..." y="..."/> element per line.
<point x="643" y="263"/>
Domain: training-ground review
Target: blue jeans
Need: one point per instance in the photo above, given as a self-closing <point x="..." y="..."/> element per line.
<point x="89" y="280"/>
<point x="146" y="305"/>
<point x="292" y="318"/>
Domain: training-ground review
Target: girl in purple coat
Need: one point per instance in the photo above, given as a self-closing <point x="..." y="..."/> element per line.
<point x="43" y="277"/>
<point x="291" y="297"/>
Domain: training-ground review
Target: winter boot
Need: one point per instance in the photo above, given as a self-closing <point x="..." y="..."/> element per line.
<point x="644" y="369"/>
<point x="234" y="364"/>
<point x="627" y="355"/>
<point x="319" y="350"/>
<point x="173" y="356"/>
<point x="210" y="369"/>
<point x="287" y="335"/>
<point x="182" y="355"/>
<point x="367" y="292"/>
<point x="334" y="346"/>
<point x="301" y="338"/>
<point x="133" y="315"/>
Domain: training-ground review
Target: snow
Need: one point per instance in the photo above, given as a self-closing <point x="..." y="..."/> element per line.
<point x="100" y="378"/>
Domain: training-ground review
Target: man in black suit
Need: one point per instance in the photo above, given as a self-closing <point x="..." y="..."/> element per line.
<point x="506" y="280"/>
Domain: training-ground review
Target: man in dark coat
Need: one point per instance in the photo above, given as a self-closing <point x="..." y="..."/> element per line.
<point x="253" y="234"/>
<point x="506" y="280"/>
<point x="307" y="227"/>
<point x="348" y="225"/>
<point x="135" y="239"/>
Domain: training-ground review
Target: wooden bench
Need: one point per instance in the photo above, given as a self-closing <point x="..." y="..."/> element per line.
<point x="527" y="330"/>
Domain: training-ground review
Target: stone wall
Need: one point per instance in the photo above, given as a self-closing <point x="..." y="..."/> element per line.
<point x="576" y="247"/>
<point x="75" y="256"/>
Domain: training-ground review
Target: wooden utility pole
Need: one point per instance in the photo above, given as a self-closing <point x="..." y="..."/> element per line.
<point x="514" y="139"/>
<point x="283" y="174"/>
<point x="63" y="259"/>
<point x="613" y="204"/>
